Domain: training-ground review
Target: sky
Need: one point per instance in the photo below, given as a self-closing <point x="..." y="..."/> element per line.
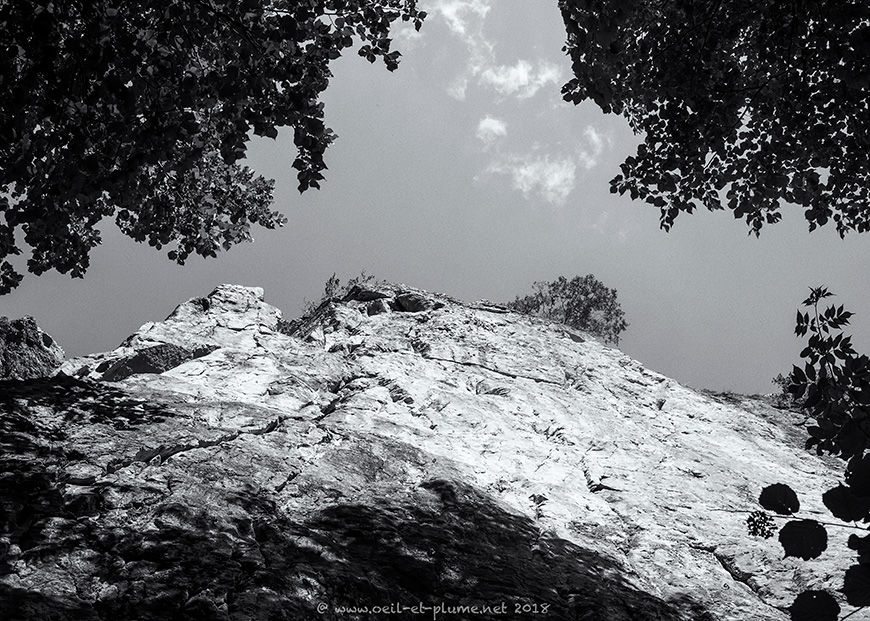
<point x="463" y="172"/>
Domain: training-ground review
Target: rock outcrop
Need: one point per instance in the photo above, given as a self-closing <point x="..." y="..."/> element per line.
<point x="26" y="352"/>
<point x="393" y="449"/>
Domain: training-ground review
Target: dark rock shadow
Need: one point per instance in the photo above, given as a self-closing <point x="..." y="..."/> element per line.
<point x="35" y="416"/>
<point x="155" y="359"/>
<point x="80" y="401"/>
<point x="441" y="543"/>
<point x="25" y="350"/>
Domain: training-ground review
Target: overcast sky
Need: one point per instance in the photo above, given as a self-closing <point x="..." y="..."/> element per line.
<point x="463" y="172"/>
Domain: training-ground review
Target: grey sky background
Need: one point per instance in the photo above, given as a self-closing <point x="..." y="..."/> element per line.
<point x="463" y="172"/>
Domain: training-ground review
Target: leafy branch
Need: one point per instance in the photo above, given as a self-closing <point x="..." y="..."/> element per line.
<point x="833" y="389"/>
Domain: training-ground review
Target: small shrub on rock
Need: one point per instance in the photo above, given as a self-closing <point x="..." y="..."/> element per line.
<point x="582" y="302"/>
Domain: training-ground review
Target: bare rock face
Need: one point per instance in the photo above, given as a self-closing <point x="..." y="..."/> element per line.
<point x="230" y="316"/>
<point x="26" y="351"/>
<point x="429" y="453"/>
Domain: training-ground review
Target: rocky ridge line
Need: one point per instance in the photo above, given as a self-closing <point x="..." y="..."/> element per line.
<point x="393" y="446"/>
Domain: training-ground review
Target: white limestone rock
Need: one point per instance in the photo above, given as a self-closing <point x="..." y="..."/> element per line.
<point x="448" y="454"/>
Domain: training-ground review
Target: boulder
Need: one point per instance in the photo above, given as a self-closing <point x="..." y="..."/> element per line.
<point x="376" y="307"/>
<point x="156" y="359"/>
<point x="366" y="293"/>
<point x="26" y="351"/>
<point x="410" y="302"/>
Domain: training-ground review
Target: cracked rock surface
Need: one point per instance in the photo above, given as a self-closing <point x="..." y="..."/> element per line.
<point x="26" y="352"/>
<point x="394" y="447"/>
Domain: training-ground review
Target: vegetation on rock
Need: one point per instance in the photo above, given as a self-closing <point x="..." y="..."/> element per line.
<point x="582" y="302"/>
<point x="333" y="289"/>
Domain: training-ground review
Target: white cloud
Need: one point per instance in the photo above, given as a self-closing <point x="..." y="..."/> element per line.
<point x="406" y="38"/>
<point x="460" y="14"/>
<point x="588" y="156"/>
<point x="458" y="88"/>
<point x="551" y="176"/>
<point x="465" y="19"/>
<point x="489" y="129"/>
<point x="521" y="79"/>
<point x="552" y="179"/>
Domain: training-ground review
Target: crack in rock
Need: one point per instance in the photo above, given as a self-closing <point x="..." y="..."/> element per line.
<point x="159" y="455"/>
<point x="540" y="380"/>
<point x="736" y="573"/>
<point x="288" y="480"/>
<point x="594" y="484"/>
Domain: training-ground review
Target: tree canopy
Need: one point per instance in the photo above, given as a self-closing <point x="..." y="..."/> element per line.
<point x="741" y="104"/>
<point x="141" y="110"/>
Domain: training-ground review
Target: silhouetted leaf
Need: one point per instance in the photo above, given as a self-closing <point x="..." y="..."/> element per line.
<point x="798" y="375"/>
<point x="856" y="585"/>
<point x="862" y="546"/>
<point x="858" y="475"/>
<point x="814" y="606"/>
<point x="845" y="505"/>
<point x="852" y="439"/>
<point x="804" y="539"/>
<point x="780" y="498"/>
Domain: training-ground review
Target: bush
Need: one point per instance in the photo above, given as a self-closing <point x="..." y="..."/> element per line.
<point x="333" y="289"/>
<point x="782" y="398"/>
<point x="582" y="302"/>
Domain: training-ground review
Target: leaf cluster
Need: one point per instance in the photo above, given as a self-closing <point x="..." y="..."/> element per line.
<point x="833" y="382"/>
<point x="782" y="398"/>
<point x="582" y="302"/>
<point x="833" y="388"/>
<point x="141" y="110"/>
<point x="741" y="105"/>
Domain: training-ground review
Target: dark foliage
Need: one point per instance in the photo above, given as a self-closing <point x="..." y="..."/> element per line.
<point x="140" y="111"/>
<point x="582" y="302"/>
<point x="833" y="387"/>
<point x="741" y="104"/>
<point x="779" y="498"/>
<point x="760" y="524"/>
<point x="804" y="539"/>
<point x="814" y="606"/>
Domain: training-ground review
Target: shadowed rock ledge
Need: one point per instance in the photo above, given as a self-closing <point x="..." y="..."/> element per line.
<point x="26" y="351"/>
<point x="396" y="447"/>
